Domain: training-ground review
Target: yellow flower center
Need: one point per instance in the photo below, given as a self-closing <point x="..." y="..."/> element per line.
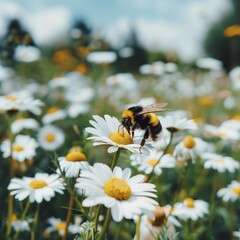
<point x="220" y="134"/>
<point x="17" y="148"/>
<point x="14" y="217"/>
<point x="236" y="190"/>
<point x="52" y="110"/>
<point x="75" y="157"/>
<point x="50" y="137"/>
<point x="189" y="142"/>
<point x="11" y="98"/>
<point x="35" y="184"/>
<point x="117" y="188"/>
<point x="160" y="217"/>
<point x="121" y="137"/>
<point x="219" y="160"/>
<point x="188" y="202"/>
<point x="60" y="226"/>
<point x="206" y="101"/>
<point x="236" y="117"/>
<point x="153" y="162"/>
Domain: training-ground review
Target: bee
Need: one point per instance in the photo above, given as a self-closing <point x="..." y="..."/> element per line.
<point x="139" y="117"/>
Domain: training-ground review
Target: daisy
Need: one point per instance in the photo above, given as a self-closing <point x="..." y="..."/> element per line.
<point x="72" y="163"/>
<point x="191" y="209"/>
<point x="50" y="137"/>
<point x="26" y="53"/>
<point x="83" y="95"/>
<point x="20" y="225"/>
<point x="174" y="123"/>
<point x="156" y="68"/>
<point x="220" y="163"/>
<point x="75" y="109"/>
<point x="189" y="148"/>
<point x="106" y="132"/>
<point x="17" y="102"/>
<point x="209" y="63"/>
<point x="38" y="188"/>
<point x="5" y="73"/>
<point x="24" y="123"/>
<point x="231" y="192"/>
<point x="156" y="160"/>
<point x="53" y="114"/>
<point x="102" y="57"/>
<point x="235" y="77"/>
<point x="236" y="233"/>
<point x="56" y="225"/>
<point x="126" y="52"/>
<point x="115" y="189"/>
<point x="23" y="148"/>
<point x="163" y="216"/>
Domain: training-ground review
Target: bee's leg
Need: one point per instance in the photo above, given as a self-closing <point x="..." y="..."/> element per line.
<point x="145" y="137"/>
<point x="135" y="125"/>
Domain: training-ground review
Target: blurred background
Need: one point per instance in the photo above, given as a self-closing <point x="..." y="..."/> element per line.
<point x="176" y="30"/>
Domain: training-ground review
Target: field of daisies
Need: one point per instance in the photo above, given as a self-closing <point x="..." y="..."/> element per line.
<point x="70" y="170"/>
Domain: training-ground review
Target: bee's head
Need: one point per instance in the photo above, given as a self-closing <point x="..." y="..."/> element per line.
<point x="126" y="123"/>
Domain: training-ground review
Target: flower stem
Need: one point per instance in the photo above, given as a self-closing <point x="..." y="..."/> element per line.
<point x="115" y="158"/>
<point x="97" y="218"/>
<point x="22" y="218"/>
<point x="70" y="207"/>
<point x="33" y="232"/>
<point x="106" y="224"/>
<point x="138" y="228"/>
<point x="164" y="152"/>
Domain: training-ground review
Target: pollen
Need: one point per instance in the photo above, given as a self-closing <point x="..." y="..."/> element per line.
<point x="75" y="156"/>
<point x="160" y="217"/>
<point x="188" y="202"/>
<point x="50" y="137"/>
<point x="153" y="162"/>
<point x="121" y="137"/>
<point x="189" y="142"/>
<point x="117" y="188"/>
<point x="52" y="110"/>
<point x="236" y="190"/>
<point x="17" y="148"/>
<point x="60" y="226"/>
<point x="36" y="184"/>
<point x="11" y="98"/>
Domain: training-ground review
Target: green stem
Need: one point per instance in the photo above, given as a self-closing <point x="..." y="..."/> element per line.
<point x="99" y="209"/>
<point x="164" y="152"/>
<point x="115" y="158"/>
<point x="22" y="218"/>
<point x="106" y="224"/>
<point x="118" y="231"/>
<point x="70" y="207"/>
<point x="138" y="228"/>
<point x="33" y="232"/>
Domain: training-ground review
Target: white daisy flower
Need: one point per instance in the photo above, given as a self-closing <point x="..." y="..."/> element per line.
<point x="209" y="63"/>
<point x="38" y="188"/>
<point x="24" y="123"/>
<point x="106" y="132"/>
<point x="102" y="57"/>
<point x="156" y="68"/>
<point x="83" y="95"/>
<point x="163" y="217"/>
<point x="17" y="102"/>
<point x="75" y="109"/>
<point x="72" y="163"/>
<point x="220" y="163"/>
<point x="155" y="160"/>
<point x="23" y="148"/>
<point x="189" y="148"/>
<point x="115" y="189"/>
<point x="75" y="228"/>
<point x="230" y="193"/>
<point x="53" y="114"/>
<point x="236" y="233"/>
<point x="26" y="53"/>
<point x="50" y="137"/>
<point x="191" y="209"/>
<point x="174" y="124"/>
<point x="20" y="225"/>
<point x="56" y="225"/>
<point x="235" y="77"/>
<point x="5" y="73"/>
<point x="126" y="52"/>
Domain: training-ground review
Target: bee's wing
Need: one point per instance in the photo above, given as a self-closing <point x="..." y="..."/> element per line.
<point x="156" y="107"/>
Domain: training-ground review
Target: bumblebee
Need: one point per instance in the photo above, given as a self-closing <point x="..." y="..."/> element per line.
<point x="139" y="117"/>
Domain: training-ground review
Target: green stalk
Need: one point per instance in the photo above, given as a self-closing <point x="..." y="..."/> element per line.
<point x="138" y="228"/>
<point x="36" y="215"/>
<point x="115" y="158"/>
<point x="70" y="207"/>
<point x="97" y="218"/>
<point x="105" y="226"/>
<point x="22" y="218"/>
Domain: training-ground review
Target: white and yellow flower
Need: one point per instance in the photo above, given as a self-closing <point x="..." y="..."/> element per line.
<point x="56" y="225"/>
<point x="53" y="114"/>
<point x="191" y="209"/>
<point x="220" y="163"/>
<point x="106" y="132"/>
<point x="230" y="193"/>
<point x="102" y="57"/>
<point x="236" y="233"/>
<point x="125" y="195"/>
<point x="24" y="123"/>
<point x="235" y="78"/>
<point x="26" y="53"/>
<point x="23" y="148"/>
<point x="38" y="188"/>
<point x="73" y="163"/>
<point x="50" y="137"/>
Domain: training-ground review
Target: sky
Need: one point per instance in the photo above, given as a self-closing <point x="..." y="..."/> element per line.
<point x="176" y="26"/>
